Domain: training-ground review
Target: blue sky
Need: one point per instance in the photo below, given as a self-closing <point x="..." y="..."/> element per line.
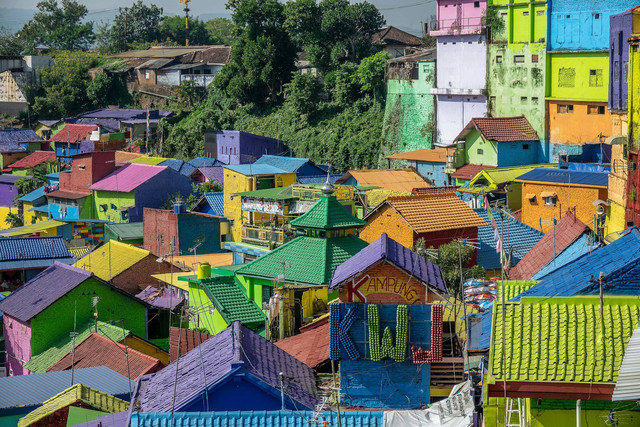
<point x="405" y="14"/>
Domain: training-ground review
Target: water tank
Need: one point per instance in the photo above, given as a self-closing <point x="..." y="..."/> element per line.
<point x="204" y="270"/>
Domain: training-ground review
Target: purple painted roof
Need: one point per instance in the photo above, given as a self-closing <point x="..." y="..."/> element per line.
<point x="402" y="257"/>
<point x="213" y="173"/>
<point x="109" y="124"/>
<point x="125" y="113"/>
<point x="18" y="135"/>
<point x="118" y="419"/>
<point x="42" y="291"/>
<point x="157" y="298"/>
<point x="237" y="347"/>
<point x="128" y="177"/>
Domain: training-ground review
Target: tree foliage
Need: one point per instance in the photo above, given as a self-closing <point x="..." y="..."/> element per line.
<point x="220" y="30"/>
<point x="333" y="32"/>
<point x="136" y="24"/>
<point x="263" y="54"/>
<point x="107" y="89"/>
<point x="58" y="27"/>
<point x="172" y="29"/>
<point x="10" y="44"/>
<point x="371" y="74"/>
<point x="302" y="94"/>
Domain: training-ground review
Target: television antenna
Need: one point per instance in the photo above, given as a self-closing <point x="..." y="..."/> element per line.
<point x="198" y="241"/>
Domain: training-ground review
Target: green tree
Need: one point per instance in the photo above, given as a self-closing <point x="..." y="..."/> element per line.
<point x="220" y="31"/>
<point x="302" y="93"/>
<point x="263" y="54"/>
<point x="137" y="24"/>
<point x="64" y="84"/>
<point x="346" y="87"/>
<point x="173" y="28"/>
<point x="107" y="89"/>
<point x="14" y="219"/>
<point x="188" y="94"/>
<point x="10" y="44"/>
<point x="58" y="27"/>
<point x="371" y="74"/>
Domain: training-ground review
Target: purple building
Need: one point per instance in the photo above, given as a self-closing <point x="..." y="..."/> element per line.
<point x="233" y="147"/>
<point x="8" y="189"/>
<point x="620" y="29"/>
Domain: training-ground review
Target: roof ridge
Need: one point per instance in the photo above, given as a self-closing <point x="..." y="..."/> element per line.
<point x="128" y="246"/>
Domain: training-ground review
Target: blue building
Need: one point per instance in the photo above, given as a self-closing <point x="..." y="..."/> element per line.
<point x="303" y="168"/>
<point x="430" y="164"/>
<point x="620" y="29"/>
<point x="211" y="204"/>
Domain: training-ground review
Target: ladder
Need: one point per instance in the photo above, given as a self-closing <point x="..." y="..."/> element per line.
<point x="515" y="417"/>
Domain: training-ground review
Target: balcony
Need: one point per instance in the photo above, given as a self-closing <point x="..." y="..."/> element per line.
<point x="200" y="80"/>
<point x="263" y="235"/>
<point x="454" y="26"/>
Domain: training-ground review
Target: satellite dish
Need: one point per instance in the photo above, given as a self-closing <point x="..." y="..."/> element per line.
<point x="600" y="210"/>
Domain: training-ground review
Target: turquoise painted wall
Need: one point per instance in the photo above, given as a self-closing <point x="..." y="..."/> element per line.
<point x="409" y="117"/>
<point x="57" y="319"/>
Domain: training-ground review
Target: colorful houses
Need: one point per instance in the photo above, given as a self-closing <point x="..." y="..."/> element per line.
<point x="429" y="163"/>
<point x="236" y="148"/>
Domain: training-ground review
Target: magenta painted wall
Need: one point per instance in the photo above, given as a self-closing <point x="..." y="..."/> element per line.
<point x="17" y="338"/>
<point x="459" y="17"/>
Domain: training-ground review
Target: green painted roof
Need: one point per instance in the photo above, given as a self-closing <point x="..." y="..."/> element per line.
<point x="327" y="214"/>
<point x="560" y="339"/>
<point x="231" y="302"/>
<point x="312" y="260"/>
<point x="278" y="193"/>
<point x="126" y="231"/>
<point x="513" y="288"/>
<point x="43" y="361"/>
<point x="494" y="177"/>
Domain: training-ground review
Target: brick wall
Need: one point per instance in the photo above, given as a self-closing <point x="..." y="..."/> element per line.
<point x="138" y="276"/>
<point x="386" y="285"/>
<point x="160" y="230"/>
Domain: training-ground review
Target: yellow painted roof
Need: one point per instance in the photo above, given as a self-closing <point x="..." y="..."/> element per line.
<point x="172" y="279"/>
<point x="216" y="260"/>
<point x="147" y="160"/>
<point x="93" y="398"/>
<point x="438" y="155"/>
<point x="33" y="228"/>
<point x="126" y="156"/>
<point x="111" y="259"/>
<point x="79" y="252"/>
<point x="389" y="179"/>
<point x="435" y="212"/>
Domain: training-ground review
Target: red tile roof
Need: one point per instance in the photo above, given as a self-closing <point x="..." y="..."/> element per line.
<point x="470" y="170"/>
<point x="97" y="350"/>
<point x="33" y="159"/>
<point x="74" y="133"/>
<point x="311" y="346"/>
<point x="188" y="341"/>
<point x="502" y="129"/>
<point x="567" y="231"/>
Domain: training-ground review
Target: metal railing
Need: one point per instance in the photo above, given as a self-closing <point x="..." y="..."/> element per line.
<point x="263" y="235"/>
<point x="202" y="80"/>
<point x="457" y="25"/>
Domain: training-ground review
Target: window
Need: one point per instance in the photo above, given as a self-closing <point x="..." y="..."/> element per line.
<point x="523" y="99"/>
<point x="480" y="151"/>
<point x="565" y="109"/>
<point x="550" y="201"/>
<point x="616" y="71"/>
<point x="503" y="13"/>
<point x="518" y="59"/>
<point x="499" y="59"/>
<point x="147" y="74"/>
<point x="566" y="77"/>
<point x="625" y="71"/>
<point x="81" y="167"/>
<point x="124" y="215"/>
<point x="103" y="208"/>
<point x="534" y="99"/>
<point x="525" y="13"/>
<point x="595" y="78"/>
<point x="476" y="4"/>
<point x="525" y="146"/>
<point x="162" y="239"/>
<point x="596" y="16"/>
<point x="534" y="58"/>
<point x="540" y="13"/>
<point x="595" y="109"/>
<point x="568" y="16"/>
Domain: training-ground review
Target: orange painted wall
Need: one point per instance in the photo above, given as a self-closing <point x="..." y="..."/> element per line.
<point x="387" y="220"/>
<point x="539" y="216"/>
<point x="577" y="127"/>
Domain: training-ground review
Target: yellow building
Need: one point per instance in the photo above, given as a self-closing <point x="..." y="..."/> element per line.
<point x="242" y="178"/>
<point x="547" y="194"/>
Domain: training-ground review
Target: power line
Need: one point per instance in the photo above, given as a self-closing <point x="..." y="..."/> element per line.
<point x="407" y="5"/>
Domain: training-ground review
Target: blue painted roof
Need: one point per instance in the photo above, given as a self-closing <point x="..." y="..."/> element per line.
<point x="42" y="291"/>
<point x="565" y="176"/>
<point x="517" y="237"/>
<point x="34" y="389"/>
<point x="200" y="162"/>
<point x="317" y="179"/>
<point x="619" y="261"/>
<point x="216" y="201"/>
<point x="34" y="195"/>
<point x="6" y="178"/>
<point x="574" y="251"/>
<point x="118" y="419"/>
<point x="258" y="419"/>
<point x="43" y="209"/>
<point x="18" y="249"/>
<point x="185" y="168"/>
<point x="55" y="175"/>
<point x="254" y="169"/>
<point x="288" y="164"/>
<point x="18" y="135"/>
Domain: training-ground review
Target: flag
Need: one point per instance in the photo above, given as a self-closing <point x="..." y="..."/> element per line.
<point x="496" y="233"/>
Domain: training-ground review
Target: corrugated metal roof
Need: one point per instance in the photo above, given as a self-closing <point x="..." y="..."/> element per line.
<point x="33" y="159"/>
<point x="127" y="231"/>
<point x="251" y="170"/>
<point x="216" y="201"/>
<point x="118" y="419"/>
<point x="438" y="155"/>
<point x="111" y="259"/>
<point x="74" y="133"/>
<point x="32" y="248"/>
<point x="159" y="52"/>
<point x="628" y="384"/>
<point x="288" y="164"/>
<point x="154" y="64"/>
<point x="6" y="178"/>
<point x="578" y="248"/>
<point x="32" y="196"/>
<point x="185" y="168"/>
<point x="386" y="179"/>
<point x="34" y="389"/>
<point x="566" y="176"/>
<point x="260" y="419"/>
<point x="31" y="228"/>
<point x="128" y="177"/>
<point x="18" y="135"/>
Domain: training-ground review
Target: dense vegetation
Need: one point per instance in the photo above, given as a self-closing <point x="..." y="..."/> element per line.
<point x="333" y="114"/>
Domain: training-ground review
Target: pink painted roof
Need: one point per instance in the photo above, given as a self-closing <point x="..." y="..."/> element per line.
<point x="128" y="177"/>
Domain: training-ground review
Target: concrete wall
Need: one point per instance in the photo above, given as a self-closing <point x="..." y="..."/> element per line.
<point x="168" y="77"/>
<point x="459" y="17"/>
<point x="634" y="96"/>
<point x="13" y="86"/>
<point x="620" y="30"/>
<point x="409" y="117"/>
<point x="455" y="111"/>
<point x="235" y="148"/>
<point x="578" y="76"/>
<point x="109" y="198"/>
<point x="17" y="338"/>
<point x="539" y="216"/>
<point x="517" y="88"/>
<point x="478" y="151"/>
<point x="157" y="190"/>
<point x="160" y="230"/>
<point x="433" y="172"/>
<point x="579" y="25"/>
<point x="462" y="63"/>
<point x="580" y="126"/>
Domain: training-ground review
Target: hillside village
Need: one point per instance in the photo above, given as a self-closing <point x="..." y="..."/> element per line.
<point x="478" y="268"/>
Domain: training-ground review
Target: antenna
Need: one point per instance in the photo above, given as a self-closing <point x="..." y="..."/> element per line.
<point x="198" y="241"/>
<point x="186" y="23"/>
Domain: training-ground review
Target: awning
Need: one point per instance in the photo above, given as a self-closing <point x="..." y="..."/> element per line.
<point x="548" y="194"/>
<point x="530" y="196"/>
<point x="31" y="228"/>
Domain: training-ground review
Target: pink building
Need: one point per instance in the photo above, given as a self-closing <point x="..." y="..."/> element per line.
<point x="457" y="17"/>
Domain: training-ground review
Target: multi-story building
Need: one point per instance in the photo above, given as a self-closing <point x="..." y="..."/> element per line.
<point x="461" y="75"/>
<point x="516" y="60"/>
<point x="632" y="214"/>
